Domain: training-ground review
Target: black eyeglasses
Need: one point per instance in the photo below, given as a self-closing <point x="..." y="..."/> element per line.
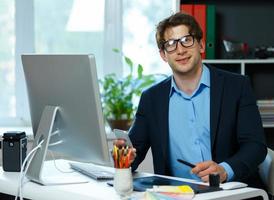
<point x="171" y="45"/>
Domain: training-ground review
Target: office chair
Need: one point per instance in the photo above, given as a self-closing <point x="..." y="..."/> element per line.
<point x="266" y="171"/>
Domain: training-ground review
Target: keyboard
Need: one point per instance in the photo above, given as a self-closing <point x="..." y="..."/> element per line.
<point x="93" y="171"/>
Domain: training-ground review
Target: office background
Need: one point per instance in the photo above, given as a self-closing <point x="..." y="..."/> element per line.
<point x="73" y="26"/>
<point x="97" y="26"/>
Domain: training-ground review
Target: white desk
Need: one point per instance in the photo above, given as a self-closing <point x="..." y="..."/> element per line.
<point x="99" y="190"/>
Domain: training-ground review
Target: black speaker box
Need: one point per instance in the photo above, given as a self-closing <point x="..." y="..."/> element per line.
<point x="14" y="149"/>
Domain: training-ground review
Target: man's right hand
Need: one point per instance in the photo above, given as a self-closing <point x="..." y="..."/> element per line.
<point x="203" y="169"/>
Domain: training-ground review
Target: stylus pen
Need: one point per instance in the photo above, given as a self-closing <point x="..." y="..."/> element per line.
<point x="186" y="163"/>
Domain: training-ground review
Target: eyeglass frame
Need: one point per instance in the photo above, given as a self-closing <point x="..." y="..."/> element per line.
<point x="178" y="40"/>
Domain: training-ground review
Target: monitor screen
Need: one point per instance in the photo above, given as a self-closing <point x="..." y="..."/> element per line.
<point x="64" y="100"/>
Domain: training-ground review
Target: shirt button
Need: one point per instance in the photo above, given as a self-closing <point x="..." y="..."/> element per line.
<point x="197" y="141"/>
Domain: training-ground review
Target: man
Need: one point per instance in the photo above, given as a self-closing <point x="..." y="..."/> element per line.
<point x="201" y="114"/>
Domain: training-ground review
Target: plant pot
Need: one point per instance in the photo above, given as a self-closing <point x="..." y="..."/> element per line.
<point x="123" y="124"/>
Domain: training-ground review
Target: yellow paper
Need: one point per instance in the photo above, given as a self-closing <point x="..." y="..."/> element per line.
<point x="182" y="189"/>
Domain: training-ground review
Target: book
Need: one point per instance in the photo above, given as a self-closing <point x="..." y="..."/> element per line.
<point x="187" y="8"/>
<point x="211" y="31"/>
<point x="200" y="15"/>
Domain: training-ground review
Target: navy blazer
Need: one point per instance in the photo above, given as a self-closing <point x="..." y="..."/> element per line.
<point x="236" y="132"/>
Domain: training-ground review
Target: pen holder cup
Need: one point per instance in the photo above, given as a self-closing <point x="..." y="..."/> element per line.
<point x="123" y="183"/>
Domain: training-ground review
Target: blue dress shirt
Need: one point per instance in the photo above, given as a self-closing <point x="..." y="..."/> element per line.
<point x="189" y="127"/>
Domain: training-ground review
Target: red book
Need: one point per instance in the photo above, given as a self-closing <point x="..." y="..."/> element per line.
<point x="200" y="15"/>
<point x="187" y="8"/>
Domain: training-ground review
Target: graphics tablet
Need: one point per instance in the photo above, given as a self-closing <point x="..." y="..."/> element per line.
<point x="143" y="183"/>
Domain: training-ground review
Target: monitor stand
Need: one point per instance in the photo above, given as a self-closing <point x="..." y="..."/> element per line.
<point x="36" y="166"/>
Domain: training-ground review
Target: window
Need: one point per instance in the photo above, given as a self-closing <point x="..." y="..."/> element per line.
<point x="63" y="26"/>
<point x="74" y="26"/>
<point x="70" y="26"/>
<point x="7" y="60"/>
<point x="140" y="20"/>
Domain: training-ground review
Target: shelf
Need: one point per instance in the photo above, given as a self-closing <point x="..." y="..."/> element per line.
<point x="268" y="125"/>
<point x="242" y="22"/>
<point x="239" y="65"/>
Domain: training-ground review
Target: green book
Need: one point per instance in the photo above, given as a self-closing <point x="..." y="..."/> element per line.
<point x="211" y="31"/>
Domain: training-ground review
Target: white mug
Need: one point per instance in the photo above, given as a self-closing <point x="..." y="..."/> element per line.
<point x="123" y="181"/>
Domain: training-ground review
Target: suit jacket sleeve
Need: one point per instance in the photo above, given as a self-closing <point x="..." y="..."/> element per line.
<point x="138" y="133"/>
<point x="250" y="136"/>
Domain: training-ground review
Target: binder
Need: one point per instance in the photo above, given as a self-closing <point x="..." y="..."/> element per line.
<point x="211" y="31"/>
<point x="200" y="16"/>
<point x="187" y="8"/>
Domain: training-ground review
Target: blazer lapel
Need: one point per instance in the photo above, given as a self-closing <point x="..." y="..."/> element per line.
<point x="163" y="113"/>
<point x="216" y="91"/>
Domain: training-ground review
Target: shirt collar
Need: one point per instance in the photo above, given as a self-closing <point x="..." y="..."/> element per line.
<point x="205" y="80"/>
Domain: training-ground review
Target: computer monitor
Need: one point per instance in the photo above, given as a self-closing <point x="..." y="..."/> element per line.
<point x="65" y="109"/>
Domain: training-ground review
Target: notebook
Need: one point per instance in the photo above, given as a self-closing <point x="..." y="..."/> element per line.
<point x="92" y="171"/>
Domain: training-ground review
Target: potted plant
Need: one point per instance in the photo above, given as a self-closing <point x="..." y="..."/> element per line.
<point x="118" y="94"/>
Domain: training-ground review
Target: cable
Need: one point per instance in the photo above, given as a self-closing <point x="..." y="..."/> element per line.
<point x="24" y="168"/>
<point x="52" y="155"/>
<point x="26" y="164"/>
<point x="22" y="174"/>
<point x="54" y="161"/>
<point x="55" y="143"/>
<point x="29" y="157"/>
<point x="56" y="132"/>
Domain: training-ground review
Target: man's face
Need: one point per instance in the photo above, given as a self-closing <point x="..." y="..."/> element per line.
<point x="183" y="60"/>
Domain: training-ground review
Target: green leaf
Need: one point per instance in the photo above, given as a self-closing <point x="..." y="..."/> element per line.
<point x="129" y="63"/>
<point x="116" y="50"/>
<point x="140" y="71"/>
<point x="117" y="94"/>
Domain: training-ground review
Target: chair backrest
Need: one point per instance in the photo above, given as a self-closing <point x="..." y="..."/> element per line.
<point x="266" y="171"/>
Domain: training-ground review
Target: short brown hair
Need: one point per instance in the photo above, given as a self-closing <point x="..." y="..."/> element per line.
<point x="176" y="20"/>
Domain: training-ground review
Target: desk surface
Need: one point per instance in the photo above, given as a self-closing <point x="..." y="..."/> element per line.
<point x="98" y="189"/>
